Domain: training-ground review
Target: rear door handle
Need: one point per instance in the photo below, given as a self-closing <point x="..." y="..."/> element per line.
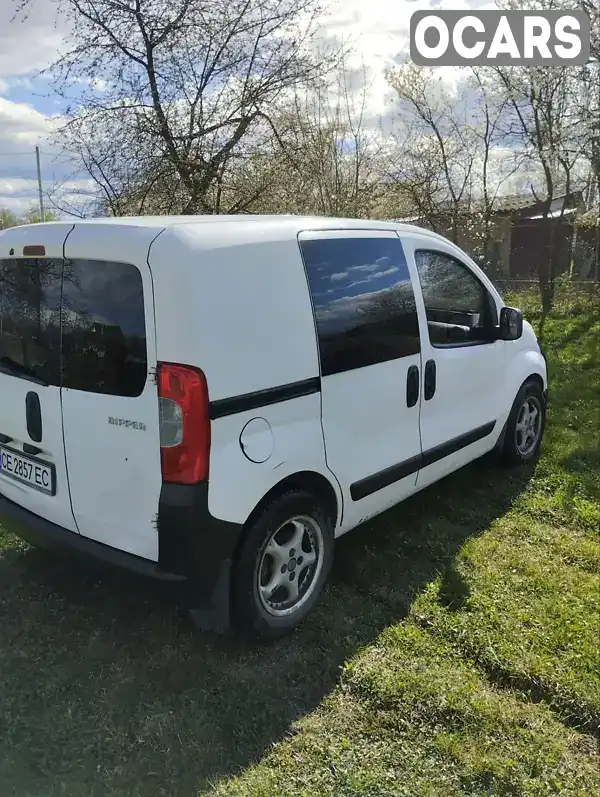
<point x="430" y="380"/>
<point x="33" y="413"/>
<point x="412" y="386"/>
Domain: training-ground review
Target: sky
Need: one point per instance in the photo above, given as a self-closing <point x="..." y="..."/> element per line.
<point x="377" y="29"/>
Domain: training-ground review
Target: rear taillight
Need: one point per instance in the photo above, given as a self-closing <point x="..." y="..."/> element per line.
<point x="184" y="423"/>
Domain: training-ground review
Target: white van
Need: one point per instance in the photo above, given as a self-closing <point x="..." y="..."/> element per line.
<point x="211" y="401"/>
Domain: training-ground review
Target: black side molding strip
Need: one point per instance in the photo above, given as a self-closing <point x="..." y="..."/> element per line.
<point x="384" y="478"/>
<point x="454" y="445"/>
<point x="262" y="398"/>
<point x="370" y="485"/>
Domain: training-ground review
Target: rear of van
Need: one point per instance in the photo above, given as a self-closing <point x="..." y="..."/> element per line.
<point x="104" y="450"/>
<point x="79" y="413"/>
<point x="112" y="334"/>
<point x="33" y="473"/>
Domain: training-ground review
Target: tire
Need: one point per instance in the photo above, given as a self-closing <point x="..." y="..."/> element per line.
<point x="269" y="558"/>
<point x="523" y="438"/>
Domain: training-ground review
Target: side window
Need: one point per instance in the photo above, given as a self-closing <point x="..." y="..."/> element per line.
<point x="363" y="299"/>
<point x="30" y="316"/>
<point x="103" y="328"/>
<point x="459" y="309"/>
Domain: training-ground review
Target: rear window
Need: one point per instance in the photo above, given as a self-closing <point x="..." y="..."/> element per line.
<point x="103" y="328"/>
<point x="91" y="338"/>
<point x="30" y="316"/>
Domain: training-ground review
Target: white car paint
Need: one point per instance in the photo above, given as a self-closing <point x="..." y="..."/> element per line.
<point x="13" y="421"/>
<point x="470" y="380"/>
<point x="114" y="471"/>
<point x="366" y="422"/>
<point x="230" y="296"/>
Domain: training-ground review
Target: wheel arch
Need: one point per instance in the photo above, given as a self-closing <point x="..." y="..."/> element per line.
<point x="528" y="364"/>
<point x="534" y="376"/>
<point x="311" y="481"/>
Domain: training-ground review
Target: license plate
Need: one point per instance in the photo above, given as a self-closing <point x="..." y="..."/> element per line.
<point x="28" y="471"/>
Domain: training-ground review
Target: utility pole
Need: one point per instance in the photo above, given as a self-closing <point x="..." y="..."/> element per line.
<point x="39" y="176"/>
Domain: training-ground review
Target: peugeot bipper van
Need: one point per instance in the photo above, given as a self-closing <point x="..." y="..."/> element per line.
<point x="211" y="401"/>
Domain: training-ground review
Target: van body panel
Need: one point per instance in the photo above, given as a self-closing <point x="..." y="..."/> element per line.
<point x="294" y="443"/>
<point x="367" y="426"/>
<point x="263" y="324"/>
<point x="471" y="399"/>
<point x="265" y="342"/>
<point x="524" y="360"/>
<point x="30" y="334"/>
<point x="112" y="441"/>
<point x="51" y="236"/>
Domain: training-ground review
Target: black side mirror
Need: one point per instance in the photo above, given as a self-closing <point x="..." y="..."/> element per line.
<point x="511" y="324"/>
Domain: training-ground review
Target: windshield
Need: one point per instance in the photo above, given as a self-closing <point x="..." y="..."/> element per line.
<point x="30" y="300"/>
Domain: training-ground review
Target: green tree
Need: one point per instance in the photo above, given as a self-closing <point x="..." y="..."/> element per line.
<point x="8" y="219"/>
<point x="33" y="216"/>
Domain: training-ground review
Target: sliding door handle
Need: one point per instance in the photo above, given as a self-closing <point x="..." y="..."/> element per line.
<point x="430" y="380"/>
<point x="412" y="386"/>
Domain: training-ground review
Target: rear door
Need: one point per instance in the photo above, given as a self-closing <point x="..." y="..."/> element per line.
<point x="33" y="470"/>
<point x="109" y="396"/>
<point x="368" y="334"/>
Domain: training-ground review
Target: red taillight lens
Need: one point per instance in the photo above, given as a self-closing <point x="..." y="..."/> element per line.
<point x="184" y="423"/>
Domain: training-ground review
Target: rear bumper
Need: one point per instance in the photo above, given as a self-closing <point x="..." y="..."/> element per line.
<point x="43" y="534"/>
<point x="195" y="550"/>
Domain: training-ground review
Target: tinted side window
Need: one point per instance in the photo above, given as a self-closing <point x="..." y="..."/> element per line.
<point x="30" y="316"/>
<point x="457" y="305"/>
<point x="103" y="329"/>
<point x="363" y="299"/>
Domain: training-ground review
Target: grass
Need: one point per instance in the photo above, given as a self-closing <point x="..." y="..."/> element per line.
<point x="455" y="652"/>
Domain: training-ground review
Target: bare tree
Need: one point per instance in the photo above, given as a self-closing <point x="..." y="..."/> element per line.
<point x="329" y="151"/>
<point x="319" y="153"/>
<point x="177" y="86"/>
<point x="591" y="82"/>
<point x="545" y="123"/>
<point x="446" y="139"/>
<point x="433" y="135"/>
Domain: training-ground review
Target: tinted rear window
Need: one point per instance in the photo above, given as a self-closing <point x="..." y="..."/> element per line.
<point x="30" y="316"/>
<point x="103" y="331"/>
<point x="93" y="339"/>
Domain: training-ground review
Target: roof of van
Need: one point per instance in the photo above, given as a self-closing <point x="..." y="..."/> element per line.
<point x="289" y="221"/>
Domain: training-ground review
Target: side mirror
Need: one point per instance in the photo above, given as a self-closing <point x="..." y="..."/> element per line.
<point x="511" y="324"/>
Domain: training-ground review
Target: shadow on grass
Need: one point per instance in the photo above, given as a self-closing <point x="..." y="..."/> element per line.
<point x="107" y="689"/>
<point x="584" y="463"/>
<point x="577" y="332"/>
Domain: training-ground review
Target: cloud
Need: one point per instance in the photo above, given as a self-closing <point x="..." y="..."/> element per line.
<point x="21" y="129"/>
<point x="378" y="31"/>
<point x="342" y="275"/>
<point x="372" y="277"/>
<point x="29" y="42"/>
<point x="367" y="266"/>
<point x="20" y="124"/>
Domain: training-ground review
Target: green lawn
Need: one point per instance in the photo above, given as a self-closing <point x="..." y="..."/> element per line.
<point x="455" y="653"/>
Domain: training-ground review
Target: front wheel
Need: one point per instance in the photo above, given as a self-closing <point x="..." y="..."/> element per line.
<point x="283" y="565"/>
<point x="525" y="425"/>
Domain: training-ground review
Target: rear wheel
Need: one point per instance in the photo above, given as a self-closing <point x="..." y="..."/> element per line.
<point x="283" y="565"/>
<point x="525" y="425"/>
